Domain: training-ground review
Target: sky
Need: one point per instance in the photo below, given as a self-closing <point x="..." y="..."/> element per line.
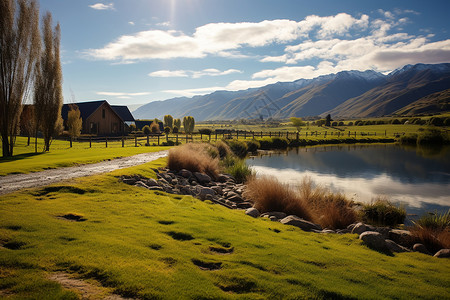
<point x="132" y="52"/>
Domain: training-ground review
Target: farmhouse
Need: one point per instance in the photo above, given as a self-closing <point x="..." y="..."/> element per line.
<point x="101" y="118"/>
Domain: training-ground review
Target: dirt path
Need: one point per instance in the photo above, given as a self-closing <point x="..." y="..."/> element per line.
<point x="11" y="183"/>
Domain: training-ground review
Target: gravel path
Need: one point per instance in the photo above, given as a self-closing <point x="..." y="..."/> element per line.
<point x="11" y="183"/>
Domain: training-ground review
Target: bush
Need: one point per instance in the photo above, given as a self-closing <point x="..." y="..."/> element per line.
<point x="432" y="137"/>
<point x="350" y="123"/>
<point x="154" y="127"/>
<point x="205" y="131"/>
<point x="382" y="212"/>
<point x="240" y="170"/>
<point x="223" y="149"/>
<point x="433" y="230"/>
<point x="175" y="129"/>
<point x="239" y="148"/>
<point x="193" y="157"/>
<point x="435" y="121"/>
<point x="269" y="195"/>
<point x="359" y="123"/>
<point x="341" y="123"/>
<point x="447" y="122"/>
<point x="395" y="121"/>
<point x="409" y="139"/>
<point x="146" y="129"/>
<point x="252" y="145"/>
<point x="167" y="130"/>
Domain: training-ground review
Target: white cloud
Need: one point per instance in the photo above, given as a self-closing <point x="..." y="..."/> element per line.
<point x="101" y="6"/>
<point x="193" y="74"/>
<point x="131" y="23"/>
<point x="222" y="39"/>
<point x="122" y="95"/>
<point x="194" y="91"/>
<point x="164" y="24"/>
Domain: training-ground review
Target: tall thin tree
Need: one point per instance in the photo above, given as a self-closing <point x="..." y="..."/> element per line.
<point x="48" y="97"/>
<point x="19" y="50"/>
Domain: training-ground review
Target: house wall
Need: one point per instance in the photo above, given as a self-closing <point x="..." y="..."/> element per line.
<point x="107" y="122"/>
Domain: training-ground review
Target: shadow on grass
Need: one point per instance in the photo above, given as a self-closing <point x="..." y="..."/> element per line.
<point x="19" y="156"/>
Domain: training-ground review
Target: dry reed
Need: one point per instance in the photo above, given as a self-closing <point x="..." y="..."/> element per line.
<point x="193" y="157"/>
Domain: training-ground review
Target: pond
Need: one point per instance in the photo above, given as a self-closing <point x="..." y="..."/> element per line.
<point x="418" y="178"/>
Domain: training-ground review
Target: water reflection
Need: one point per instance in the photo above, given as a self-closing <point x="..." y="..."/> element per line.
<point x="416" y="177"/>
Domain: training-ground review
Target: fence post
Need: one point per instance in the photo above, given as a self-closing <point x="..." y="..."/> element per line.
<point x="216" y="136"/>
<point x="186" y="138"/>
<point x="135" y="141"/>
<point x="158" y="139"/>
<point x="237" y="134"/>
<point x="106" y="142"/>
<point x="297" y="135"/>
<point x="123" y="142"/>
<point x="201" y="136"/>
<point x="287" y="135"/>
<point x="270" y="133"/>
<point x="90" y="142"/>
<point x="210" y="137"/>
<point x="177" y="137"/>
<point x="307" y="134"/>
<point x="70" y="142"/>
<point x="148" y="141"/>
<point x="325" y="135"/>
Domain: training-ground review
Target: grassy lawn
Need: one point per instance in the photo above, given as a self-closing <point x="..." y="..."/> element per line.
<point x="147" y="244"/>
<point x="25" y="160"/>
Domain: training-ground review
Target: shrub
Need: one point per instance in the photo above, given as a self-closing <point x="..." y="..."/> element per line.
<point x="193" y="157"/>
<point x="146" y="129"/>
<point x="447" y="122"/>
<point x="358" y="123"/>
<point x="175" y="129"/>
<point x="432" y="137"/>
<point x="205" y="131"/>
<point x="239" y="148"/>
<point x="240" y="171"/>
<point x="382" y="212"/>
<point x="167" y="130"/>
<point x="223" y="149"/>
<point x="341" y="123"/>
<point x="433" y="230"/>
<point x="269" y="194"/>
<point x="395" y="121"/>
<point x="350" y="123"/>
<point x="409" y="139"/>
<point x="252" y="145"/>
<point x="154" y="127"/>
<point x="334" y="123"/>
<point x="279" y="143"/>
<point x="436" y="121"/>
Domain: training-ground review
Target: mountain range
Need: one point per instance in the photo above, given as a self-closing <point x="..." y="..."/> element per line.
<point x="410" y="90"/>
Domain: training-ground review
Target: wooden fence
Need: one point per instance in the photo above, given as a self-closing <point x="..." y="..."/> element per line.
<point x="162" y="139"/>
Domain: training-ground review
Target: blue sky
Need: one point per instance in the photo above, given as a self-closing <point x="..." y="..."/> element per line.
<point x="136" y="51"/>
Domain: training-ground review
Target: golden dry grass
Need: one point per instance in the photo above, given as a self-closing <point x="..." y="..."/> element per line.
<point x="193" y="157"/>
<point x="313" y="203"/>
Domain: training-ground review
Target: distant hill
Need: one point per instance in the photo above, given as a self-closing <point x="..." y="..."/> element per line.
<point x="409" y="90"/>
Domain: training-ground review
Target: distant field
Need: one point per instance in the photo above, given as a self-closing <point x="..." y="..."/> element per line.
<point x="151" y="245"/>
<point x="25" y="160"/>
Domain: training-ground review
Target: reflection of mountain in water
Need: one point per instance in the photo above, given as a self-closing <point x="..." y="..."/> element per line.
<point x="350" y="161"/>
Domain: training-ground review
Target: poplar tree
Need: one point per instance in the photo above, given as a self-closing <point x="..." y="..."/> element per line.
<point x="19" y="51"/>
<point x="74" y="121"/>
<point x="48" y="97"/>
<point x="168" y="121"/>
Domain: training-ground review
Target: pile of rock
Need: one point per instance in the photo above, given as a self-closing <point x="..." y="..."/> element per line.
<point x="222" y="190"/>
<point x="225" y="191"/>
<point x="382" y="239"/>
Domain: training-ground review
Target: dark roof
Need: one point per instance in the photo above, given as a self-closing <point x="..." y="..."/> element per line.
<point x="123" y="112"/>
<point x="86" y="108"/>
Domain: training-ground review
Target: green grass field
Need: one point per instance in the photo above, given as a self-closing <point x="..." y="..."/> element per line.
<point x="25" y="160"/>
<point x="148" y="244"/>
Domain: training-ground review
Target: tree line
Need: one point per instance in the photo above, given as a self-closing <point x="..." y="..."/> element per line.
<point x="30" y="68"/>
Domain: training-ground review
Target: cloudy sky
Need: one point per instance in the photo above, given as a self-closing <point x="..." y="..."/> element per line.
<point x="137" y="51"/>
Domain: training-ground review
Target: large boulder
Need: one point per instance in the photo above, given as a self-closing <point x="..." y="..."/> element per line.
<point x="252" y="212"/>
<point x="205" y="193"/>
<point x="402" y="237"/>
<point x="300" y="223"/>
<point x="202" y="178"/>
<point x="374" y="240"/>
<point x="443" y="253"/>
<point x="394" y="247"/>
<point x="185" y="173"/>
<point x="359" y="228"/>
<point x="151" y="182"/>
<point x="421" y="248"/>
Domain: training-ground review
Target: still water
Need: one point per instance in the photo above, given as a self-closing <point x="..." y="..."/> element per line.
<point x="418" y="178"/>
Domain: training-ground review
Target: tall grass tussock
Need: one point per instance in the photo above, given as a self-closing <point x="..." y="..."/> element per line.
<point x="433" y="230"/>
<point x="195" y="157"/>
<point x="381" y="211"/>
<point x="312" y="203"/>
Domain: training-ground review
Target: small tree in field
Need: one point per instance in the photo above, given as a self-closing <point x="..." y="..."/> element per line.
<point x="328" y="120"/>
<point x="168" y="121"/>
<point x="154" y="127"/>
<point x="177" y="123"/>
<point x="189" y="124"/>
<point x="74" y="121"/>
<point x="297" y="123"/>
<point x="19" y="51"/>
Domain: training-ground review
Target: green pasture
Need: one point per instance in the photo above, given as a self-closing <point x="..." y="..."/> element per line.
<point x="151" y="245"/>
<point x="25" y="159"/>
